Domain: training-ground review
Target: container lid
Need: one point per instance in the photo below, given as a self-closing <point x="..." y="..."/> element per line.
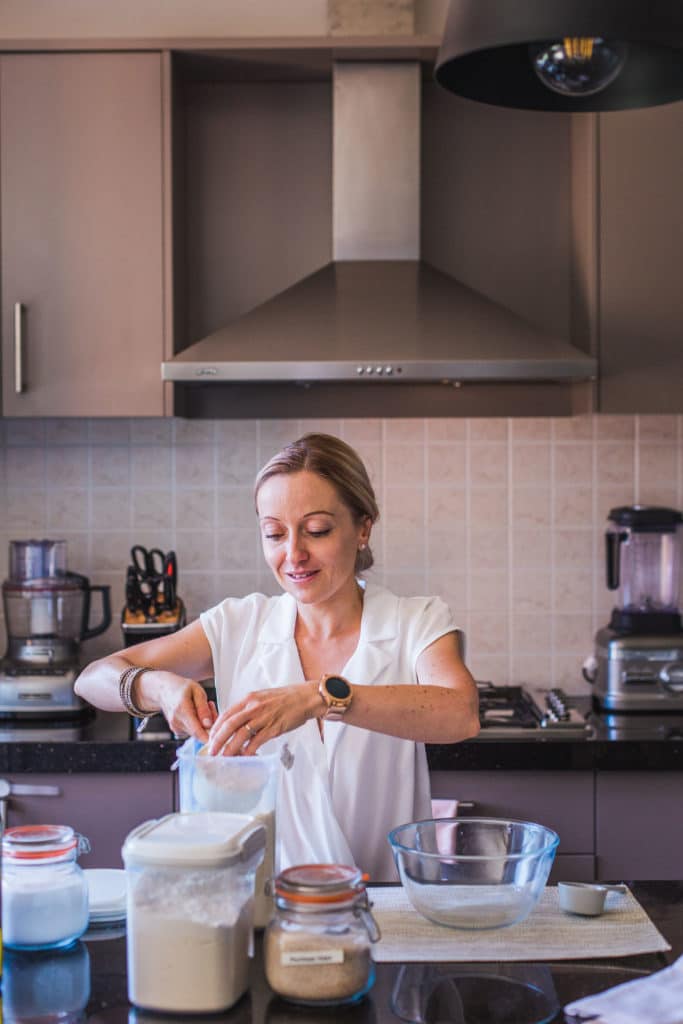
<point x="34" y="844"/>
<point x="202" y="839"/>
<point x="319" y="883"/>
<point x="646" y="518"/>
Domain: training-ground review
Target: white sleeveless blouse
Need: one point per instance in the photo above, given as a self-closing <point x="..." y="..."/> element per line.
<point x="342" y="796"/>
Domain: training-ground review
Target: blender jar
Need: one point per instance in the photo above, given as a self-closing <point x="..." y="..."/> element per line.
<point x="36" y="559"/>
<point x="44" y="891"/>
<point x="47" y="608"/>
<point x="190" y="891"/>
<point x="643" y="547"/>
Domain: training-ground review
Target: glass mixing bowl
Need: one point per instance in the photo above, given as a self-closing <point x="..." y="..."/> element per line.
<point x="473" y="872"/>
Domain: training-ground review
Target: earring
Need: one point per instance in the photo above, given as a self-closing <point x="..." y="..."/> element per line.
<point x="362" y="547"/>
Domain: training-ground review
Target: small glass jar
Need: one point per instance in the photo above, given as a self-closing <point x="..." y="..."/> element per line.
<point x="44" y="891"/>
<point x="317" y="948"/>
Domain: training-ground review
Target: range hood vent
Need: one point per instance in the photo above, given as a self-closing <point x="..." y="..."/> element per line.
<point x="377" y="312"/>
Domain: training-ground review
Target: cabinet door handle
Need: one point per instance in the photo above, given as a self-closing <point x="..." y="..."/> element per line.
<point x="8" y="789"/>
<point x="4" y="797"/>
<point x="18" y="347"/>
<point x="19" y="789"/>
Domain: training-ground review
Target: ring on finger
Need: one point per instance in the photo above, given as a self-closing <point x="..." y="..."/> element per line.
<point x="250" y="732"/>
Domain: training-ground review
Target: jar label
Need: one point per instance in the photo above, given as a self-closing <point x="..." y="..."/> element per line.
<point x="312" y="957"/>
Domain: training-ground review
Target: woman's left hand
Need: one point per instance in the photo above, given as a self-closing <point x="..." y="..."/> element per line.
<point x="263" y="715"/>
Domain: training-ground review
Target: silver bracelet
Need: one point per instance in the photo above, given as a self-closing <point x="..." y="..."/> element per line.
<point x="126" y="681"/>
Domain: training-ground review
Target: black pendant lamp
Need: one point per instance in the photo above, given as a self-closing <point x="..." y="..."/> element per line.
<point x="565" y="55"/>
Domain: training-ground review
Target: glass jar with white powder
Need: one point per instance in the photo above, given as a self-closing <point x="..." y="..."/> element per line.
<point x="317" y="948"/>
<point x="44" y="891"/>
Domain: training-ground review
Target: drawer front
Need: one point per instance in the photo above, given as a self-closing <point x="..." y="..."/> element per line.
<point x="572" y="867"/>
<point x="639" y="833"/>
<point x="563" y="801"/>
<point x="104" y="807"/>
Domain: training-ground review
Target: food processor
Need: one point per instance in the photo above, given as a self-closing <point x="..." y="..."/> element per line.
<point x="638" y="662"/>
<point x="47" y="613"/>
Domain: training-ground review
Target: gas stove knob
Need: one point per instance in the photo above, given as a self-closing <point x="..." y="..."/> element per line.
<point x="671" y="677"/>
<point x="557" y="702"/>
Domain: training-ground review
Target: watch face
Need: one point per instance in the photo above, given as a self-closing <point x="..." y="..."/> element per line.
<point x="337" y="688"/>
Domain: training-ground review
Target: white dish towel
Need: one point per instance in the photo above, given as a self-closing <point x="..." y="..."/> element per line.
<point x="657" y="999"/>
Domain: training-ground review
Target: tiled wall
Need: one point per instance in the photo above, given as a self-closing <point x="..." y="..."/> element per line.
<point x="503" y="518"/>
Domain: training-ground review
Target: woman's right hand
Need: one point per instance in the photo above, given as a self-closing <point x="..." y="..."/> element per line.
<point x="183" y="703"/>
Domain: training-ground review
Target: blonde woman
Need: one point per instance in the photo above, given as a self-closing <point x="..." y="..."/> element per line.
<point x="355" y="678"/>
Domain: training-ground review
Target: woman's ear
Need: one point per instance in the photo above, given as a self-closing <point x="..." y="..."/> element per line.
<point x="365" y="531"/>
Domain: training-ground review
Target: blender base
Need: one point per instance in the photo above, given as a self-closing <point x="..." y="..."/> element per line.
<point x="39" y="693"/>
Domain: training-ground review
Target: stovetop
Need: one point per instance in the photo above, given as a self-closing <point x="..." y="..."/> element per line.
<point x="520" y="711"/>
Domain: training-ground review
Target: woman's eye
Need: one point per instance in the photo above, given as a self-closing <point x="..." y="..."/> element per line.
<point x="319" y="533"/>
<point x="272" y="536"/>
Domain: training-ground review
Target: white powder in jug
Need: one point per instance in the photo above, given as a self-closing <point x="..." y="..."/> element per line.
<point x="35" y="914"/>
<point x="189" y="939"/>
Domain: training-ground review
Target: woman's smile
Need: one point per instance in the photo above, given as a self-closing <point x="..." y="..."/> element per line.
<point x="303" y="577"/>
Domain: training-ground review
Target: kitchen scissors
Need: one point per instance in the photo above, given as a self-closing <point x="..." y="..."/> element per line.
<point x="148" y="562"/>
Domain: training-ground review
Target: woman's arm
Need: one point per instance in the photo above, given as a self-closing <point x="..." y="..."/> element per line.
<point x="174" y="665"/>
<point x="443" y="709"/>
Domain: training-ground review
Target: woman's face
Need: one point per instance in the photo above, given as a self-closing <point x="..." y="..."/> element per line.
<point x="309" y="536"/>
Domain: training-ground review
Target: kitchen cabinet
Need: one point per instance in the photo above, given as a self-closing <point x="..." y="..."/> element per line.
<point x="640" y="164"/>
<point x="639" y="827"/>
<point x="102" y="806"/>
<point x="81" y="197"/>
<point x="562" y="801"/>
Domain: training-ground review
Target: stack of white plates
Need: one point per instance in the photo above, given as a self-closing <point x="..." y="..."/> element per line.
<point x="106" y="895"/>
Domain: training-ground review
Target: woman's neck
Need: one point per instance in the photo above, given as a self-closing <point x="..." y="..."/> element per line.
<point x="341" y="616"/>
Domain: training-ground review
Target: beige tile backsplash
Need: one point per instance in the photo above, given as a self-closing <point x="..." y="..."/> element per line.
<point x="502" y="518"/>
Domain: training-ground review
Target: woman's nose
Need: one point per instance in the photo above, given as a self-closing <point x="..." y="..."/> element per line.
<point x="296" y="550"/>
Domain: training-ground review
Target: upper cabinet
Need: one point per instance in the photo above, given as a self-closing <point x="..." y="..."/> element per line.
<point x="640" y="304"/>
<point x="81" y="188"/>
<point x="149" y="198"/>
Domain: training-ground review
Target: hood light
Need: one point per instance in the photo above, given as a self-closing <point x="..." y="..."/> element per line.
<point x="564" y="55"/>
<point x="578" y="66"/>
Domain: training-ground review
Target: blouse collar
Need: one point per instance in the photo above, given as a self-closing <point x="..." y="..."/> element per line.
<point x="379" y="619"/>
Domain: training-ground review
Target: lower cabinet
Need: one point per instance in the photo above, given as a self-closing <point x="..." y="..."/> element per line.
<point x="104" y="807"/>
<point x="563" y="801"/>
<point x="639" y="825"/>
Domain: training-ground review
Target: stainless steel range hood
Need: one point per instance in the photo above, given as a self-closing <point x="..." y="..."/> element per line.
<point x="377" y="312"/>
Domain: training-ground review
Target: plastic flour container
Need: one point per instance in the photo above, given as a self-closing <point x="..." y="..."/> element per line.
<point x="190" y="893"/>
<point x="238" y="785"/>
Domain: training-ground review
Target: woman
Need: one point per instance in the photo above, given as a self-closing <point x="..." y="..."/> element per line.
<point x="355" y="679"/>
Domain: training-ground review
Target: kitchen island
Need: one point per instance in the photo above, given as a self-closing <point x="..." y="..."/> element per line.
<point x="613" y="801"/>
<point x="96" y="968"/>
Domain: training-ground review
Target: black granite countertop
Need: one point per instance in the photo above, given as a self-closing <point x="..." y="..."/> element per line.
<point x="104" y="742"/>
<point x="91" y="977"/>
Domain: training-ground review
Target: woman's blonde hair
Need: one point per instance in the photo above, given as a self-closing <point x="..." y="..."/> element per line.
<point x="337" y="462"/>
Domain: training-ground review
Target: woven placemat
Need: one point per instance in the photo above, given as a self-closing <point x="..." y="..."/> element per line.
<point x="547" y="934"/>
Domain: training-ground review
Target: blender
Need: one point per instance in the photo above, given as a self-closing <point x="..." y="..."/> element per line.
<point x="638" y="663"/>
<point x="47" y="612"/>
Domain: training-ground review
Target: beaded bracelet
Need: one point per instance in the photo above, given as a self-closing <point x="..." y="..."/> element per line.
<point x="126" y="681"/>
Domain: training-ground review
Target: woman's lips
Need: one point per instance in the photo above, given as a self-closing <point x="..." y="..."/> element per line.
<point x="302" y="577"/>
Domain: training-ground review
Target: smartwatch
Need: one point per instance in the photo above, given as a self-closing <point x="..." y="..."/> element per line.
<point x="337" y="694"/>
